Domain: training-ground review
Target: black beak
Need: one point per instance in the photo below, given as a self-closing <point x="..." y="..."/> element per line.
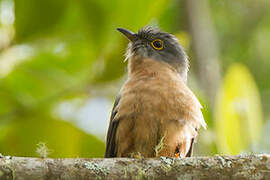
<point x="130" y="35"/>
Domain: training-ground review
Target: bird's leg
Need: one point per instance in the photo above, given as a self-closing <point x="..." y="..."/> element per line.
<point x="177" y="152"/>
<point x="136" y="155"/>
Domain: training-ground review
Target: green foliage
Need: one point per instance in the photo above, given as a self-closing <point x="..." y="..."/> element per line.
<point x="243" y="37"/>
<point x="21" y="138"/>
<point x="238" y="112"/>
<point x="33" y="17"/>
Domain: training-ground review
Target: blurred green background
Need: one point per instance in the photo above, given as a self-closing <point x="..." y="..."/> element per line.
<point x="61" y="66"/>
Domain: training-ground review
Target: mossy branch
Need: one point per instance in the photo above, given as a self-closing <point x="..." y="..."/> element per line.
<point x="216" y="167"/>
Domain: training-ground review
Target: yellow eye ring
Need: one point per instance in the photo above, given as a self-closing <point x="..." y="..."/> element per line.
<point x="157" y="44"/>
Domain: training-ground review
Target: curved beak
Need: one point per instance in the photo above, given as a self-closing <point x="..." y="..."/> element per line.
<point x="130" y="35"/>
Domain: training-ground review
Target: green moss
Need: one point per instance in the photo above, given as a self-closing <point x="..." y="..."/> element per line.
<point x="159" y="146"/>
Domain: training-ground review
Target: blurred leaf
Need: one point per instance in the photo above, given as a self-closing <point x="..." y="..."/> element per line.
<point x="139" y="12"/>
<point x="50" y="73"/>
<point x="184" y="39"/>
<point x="35" y="16"/>
<point x="63" y="139"/>
<point x="238" y="115"/>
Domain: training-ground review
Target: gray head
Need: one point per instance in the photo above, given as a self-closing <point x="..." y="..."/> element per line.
<point x="152" y="43"/>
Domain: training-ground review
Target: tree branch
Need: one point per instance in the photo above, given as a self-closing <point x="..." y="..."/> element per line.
<point x="217" y="167"/>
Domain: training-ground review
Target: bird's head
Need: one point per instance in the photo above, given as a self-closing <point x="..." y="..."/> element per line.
<point x="151" y="43"/>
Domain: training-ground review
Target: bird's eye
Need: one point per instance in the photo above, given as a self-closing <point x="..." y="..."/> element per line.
<point x="157" y="44"/>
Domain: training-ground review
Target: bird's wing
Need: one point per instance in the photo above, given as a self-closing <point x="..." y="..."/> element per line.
<point x="198" y="116"/>
<point x="190" y="151"/>
<point x="111" y="150"/>
<point x="195" y="120"/>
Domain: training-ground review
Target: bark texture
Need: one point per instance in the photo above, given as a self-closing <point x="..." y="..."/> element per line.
<point x="216" y="167"/>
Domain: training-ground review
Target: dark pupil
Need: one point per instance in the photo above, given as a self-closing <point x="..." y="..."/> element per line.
<point x="157" y="44"/>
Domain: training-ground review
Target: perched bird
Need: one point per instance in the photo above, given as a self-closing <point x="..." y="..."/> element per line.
<point x="155" y="113"/>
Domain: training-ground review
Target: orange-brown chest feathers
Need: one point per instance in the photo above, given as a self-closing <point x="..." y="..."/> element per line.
<point x="157" y="113"/>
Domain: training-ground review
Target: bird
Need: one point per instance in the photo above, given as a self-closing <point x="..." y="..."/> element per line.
<point x="155" y="113"/>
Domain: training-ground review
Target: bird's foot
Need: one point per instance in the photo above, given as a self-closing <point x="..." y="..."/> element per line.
<point x="178" y="155"/>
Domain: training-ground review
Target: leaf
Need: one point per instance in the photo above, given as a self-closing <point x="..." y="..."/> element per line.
<point x="238" y="116"/>
<point x="62" y="139"/>
<point x="35" y="16"/>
